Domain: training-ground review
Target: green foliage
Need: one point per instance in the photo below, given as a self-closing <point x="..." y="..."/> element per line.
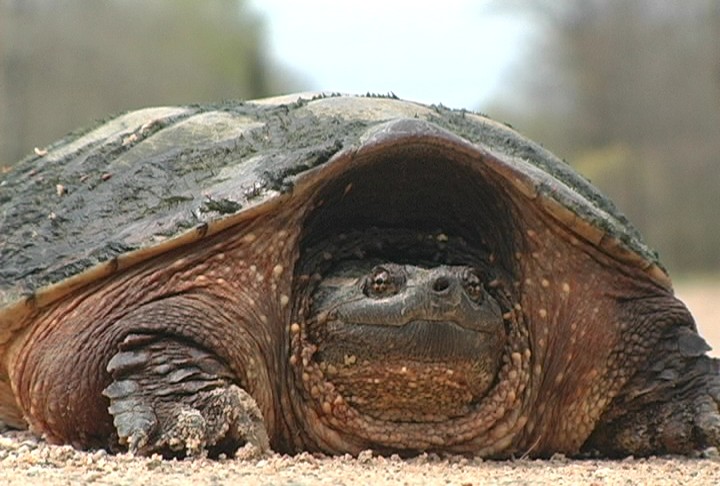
<point x="65" y="63"/>
<point x="629" y="93"/>
<point x="604" y="163"/>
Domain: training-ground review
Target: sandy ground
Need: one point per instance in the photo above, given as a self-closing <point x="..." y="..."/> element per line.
<point x="703" y="300"/>
<point x="26" y="460"/>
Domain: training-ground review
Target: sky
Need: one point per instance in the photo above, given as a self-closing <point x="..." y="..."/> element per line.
<point x="455" y="52"/>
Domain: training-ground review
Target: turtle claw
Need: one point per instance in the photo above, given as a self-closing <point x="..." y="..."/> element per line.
<point x="225" y="417"/>
<point x="186" y="434"/>
<point x="134" y="421"/>
<point x="250" y="425"/>
<point x="707" y="415"/>
<point x="184" y="405"/>
<point x="677" y="413"/>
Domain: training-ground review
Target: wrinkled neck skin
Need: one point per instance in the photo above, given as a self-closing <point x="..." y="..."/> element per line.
<point x="425" y="354"/>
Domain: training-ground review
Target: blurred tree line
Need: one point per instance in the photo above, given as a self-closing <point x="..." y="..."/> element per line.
<point x="64" y="63"/>
<point x="629" y="93"/>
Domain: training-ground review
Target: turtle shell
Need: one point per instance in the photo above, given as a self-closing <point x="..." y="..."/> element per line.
<point x="152" y="180"/>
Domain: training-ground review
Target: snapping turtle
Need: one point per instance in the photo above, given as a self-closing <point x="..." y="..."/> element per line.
<point x="336" y="274"/>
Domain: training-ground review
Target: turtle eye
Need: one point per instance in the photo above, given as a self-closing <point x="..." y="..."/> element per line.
<point x="473" y="285"/>
<point x="383" y="282"/>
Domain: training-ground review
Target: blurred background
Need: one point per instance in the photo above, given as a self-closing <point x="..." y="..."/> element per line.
<point x="627" y="91"/>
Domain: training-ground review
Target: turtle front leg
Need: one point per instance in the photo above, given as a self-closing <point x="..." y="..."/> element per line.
<point x="670" y="406"/>
<point x="172" y="397"/>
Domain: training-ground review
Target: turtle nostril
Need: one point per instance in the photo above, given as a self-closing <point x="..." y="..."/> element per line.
<point x="441" y="284"/>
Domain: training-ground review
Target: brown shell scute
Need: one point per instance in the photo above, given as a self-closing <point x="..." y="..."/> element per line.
<point x="142" y="179"/>
<point x="577" y="194"/>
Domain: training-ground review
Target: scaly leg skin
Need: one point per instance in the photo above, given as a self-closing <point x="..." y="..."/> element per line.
<point x="173" y="398"/>
<point x="670" y="407"/>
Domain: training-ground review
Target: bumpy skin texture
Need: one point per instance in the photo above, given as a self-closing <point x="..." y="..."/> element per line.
<point x="437" y="332"/>
<point x="336" y="275"/>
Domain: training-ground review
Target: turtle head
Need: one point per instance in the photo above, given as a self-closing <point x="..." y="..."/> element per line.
<point x="398" y="296"/>
<point x="408" y="343"/>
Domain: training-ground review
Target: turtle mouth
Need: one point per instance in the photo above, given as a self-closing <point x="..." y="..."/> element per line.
<point x="414" y="325"/>
<point x="421" y="339"/>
